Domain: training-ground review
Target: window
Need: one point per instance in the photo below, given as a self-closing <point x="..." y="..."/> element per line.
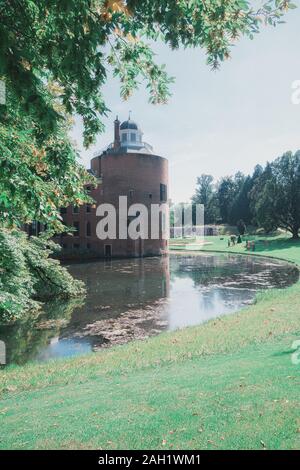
<point x="107" y="251"/>
<point x="88" y="208"/>
<point x="131" y="193"/>
<point x="76" y="246"/>
<point x="76" y="226"/>
<point x="88" y="246"/>
<point x="124" y="137"/>
<point x="133" y="137"/>
<point x="150" y="195"/>
<point x="88" y="229"/>
<point x="75" y="210"/>
<point x="163" y="192"/>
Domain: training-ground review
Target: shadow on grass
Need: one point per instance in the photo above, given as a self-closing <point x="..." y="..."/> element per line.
<point x="283" y="353"/>
<point x="269" y="243"/>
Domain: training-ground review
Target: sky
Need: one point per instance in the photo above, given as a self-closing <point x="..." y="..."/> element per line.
<point x="219" y="122"/>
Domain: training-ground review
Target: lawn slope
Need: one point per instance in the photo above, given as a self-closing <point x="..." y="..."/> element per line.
<point x="227" y="384"/>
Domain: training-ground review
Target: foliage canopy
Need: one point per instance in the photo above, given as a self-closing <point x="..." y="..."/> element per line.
<point x="75" y="42"/>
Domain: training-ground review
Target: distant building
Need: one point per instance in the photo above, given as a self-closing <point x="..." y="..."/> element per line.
<point x="128" y="167"/>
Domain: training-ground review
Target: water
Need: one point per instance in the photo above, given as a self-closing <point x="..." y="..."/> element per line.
<point x="138" y="298"/>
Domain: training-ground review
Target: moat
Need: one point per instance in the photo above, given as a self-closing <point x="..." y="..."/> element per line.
<point x="137" y="298"/>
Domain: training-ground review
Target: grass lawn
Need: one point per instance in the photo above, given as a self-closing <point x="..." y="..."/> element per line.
<point x="227" y="384"/>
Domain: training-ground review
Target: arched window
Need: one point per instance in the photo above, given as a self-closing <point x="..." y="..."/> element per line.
<point x="88" y="229"/>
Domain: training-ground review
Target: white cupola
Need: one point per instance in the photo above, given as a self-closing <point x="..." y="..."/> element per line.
<point x="130" y="134"/>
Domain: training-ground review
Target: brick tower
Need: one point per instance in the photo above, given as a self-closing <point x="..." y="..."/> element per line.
<point x="127" y="167"/>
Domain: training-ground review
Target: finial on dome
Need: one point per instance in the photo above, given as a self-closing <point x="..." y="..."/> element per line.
<point x="129" y="115"/>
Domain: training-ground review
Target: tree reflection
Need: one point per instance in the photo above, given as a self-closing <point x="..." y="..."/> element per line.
<point x="25" y="338"/>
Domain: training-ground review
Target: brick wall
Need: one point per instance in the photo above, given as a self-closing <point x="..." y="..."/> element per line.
<point x="135" y="175"/>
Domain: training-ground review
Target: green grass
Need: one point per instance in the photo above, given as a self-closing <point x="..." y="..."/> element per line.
<point x="227" y="384"/>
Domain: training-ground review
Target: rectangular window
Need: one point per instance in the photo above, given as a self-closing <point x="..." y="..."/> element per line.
<point x="124" y="137"/>
<point x="131" y="193"/>
<point x="107" y="251"/>
<point x="75" y="210"/>
<point x="76" y="226"/>
<point x="88" y="229"/>
<point x="163" y="192"/>
<point x="133" y="137"/>
<point x="88" y="208"/>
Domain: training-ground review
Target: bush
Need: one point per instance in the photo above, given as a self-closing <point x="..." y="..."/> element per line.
<point x="28" y="275"/>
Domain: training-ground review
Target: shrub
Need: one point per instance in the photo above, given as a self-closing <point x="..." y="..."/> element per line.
<point x="28" y="274"/>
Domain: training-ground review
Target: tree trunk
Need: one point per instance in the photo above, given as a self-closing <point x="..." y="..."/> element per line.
<point x="295" y="233"/>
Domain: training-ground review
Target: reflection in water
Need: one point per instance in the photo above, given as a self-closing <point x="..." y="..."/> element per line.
<point x="27" y="338"/>
<point x="60" y="347"/>
<point x="137" y="298"/>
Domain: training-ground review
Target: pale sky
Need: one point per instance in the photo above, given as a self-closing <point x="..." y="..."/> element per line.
<point x="218" y="122"/>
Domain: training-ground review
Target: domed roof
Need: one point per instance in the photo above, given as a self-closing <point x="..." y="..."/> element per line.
<point x="129" y="125"/>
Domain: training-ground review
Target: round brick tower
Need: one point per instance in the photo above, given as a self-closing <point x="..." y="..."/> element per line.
<point x="128" y="167"/>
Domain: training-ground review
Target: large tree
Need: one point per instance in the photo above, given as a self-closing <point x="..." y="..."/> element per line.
<point x="276" y="194"/>
<point x="74" y="42"/>
<point x="205" y="194"/>
<point x="227" y="191"/>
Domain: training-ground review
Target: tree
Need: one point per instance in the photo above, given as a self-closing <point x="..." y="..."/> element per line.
<point x="241" y="226"/>
<point x="226" y="195"/>
<point x="73" y="42"/>
<point x="263" y="208"/>
<point x="205" y="194"/>
<point x="241" y="206"/>
<point x="212" y="212"/>
<point x="37" y="175"/>
<point x="204" y="189"/>
<point x="276" y="195"/>
<point x="54" y="59"/>
<point x="29" y="274"/>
